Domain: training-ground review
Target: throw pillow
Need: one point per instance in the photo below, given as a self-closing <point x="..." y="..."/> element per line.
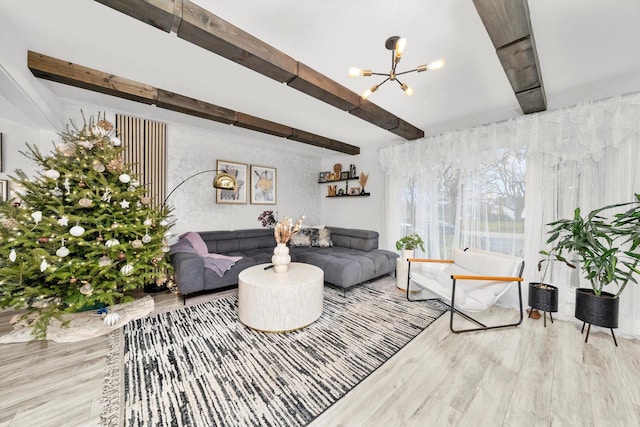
<point x="301" y="238"/>
<point x="324" y="238"/>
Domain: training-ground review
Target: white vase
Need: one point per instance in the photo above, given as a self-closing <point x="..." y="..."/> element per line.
<point x="407" y="253"/>
<point x="281" y="258"/>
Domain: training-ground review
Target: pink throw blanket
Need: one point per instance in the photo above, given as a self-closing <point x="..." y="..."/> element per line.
<point x="192" y="243"/>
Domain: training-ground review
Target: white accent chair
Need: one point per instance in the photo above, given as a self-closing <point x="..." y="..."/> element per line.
<point x="472" y="281"/>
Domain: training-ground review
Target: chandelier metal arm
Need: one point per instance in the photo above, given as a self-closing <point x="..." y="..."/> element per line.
<point x="406" y="72"/>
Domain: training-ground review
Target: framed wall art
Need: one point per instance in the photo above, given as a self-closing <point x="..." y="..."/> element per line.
<point x="263" y="185"/>
<point x="4" y="190"/>
<point x="239" y="172"/>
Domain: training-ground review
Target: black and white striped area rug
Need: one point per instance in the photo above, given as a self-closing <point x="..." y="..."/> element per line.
<point x="199" y="366"/>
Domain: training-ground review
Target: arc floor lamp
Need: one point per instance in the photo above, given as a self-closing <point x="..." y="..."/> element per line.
<point x="223" y="181"/>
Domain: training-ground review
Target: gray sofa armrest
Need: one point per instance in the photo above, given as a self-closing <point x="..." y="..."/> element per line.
<point x="189" y="271"/>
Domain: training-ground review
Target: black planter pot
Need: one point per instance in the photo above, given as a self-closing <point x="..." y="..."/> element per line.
<point x="597" y="310"/>
<point x="543" y="297"/>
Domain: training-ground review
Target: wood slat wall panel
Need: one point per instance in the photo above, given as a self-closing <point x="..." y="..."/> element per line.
<point x="145" y="150"/>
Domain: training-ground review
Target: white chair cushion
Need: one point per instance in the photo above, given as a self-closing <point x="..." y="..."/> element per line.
<point x="471" y="295"/>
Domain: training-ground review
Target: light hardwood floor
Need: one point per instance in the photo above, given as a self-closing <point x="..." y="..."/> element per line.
<point x="527" y="376"/>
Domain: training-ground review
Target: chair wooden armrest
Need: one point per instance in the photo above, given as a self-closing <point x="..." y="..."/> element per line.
<point x="444" y="261"/>
<point x="492" y="278"/>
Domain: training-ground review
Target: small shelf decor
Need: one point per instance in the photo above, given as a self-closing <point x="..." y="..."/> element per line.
<point x="339" y="175"/>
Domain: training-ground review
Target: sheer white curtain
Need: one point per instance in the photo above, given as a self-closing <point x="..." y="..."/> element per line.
<point x="584" y="156"/>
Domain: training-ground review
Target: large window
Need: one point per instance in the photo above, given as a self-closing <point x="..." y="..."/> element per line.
<point x="452" y="206"/>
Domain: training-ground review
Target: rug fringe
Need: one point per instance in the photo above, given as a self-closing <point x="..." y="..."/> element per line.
<point x="111" y="406"/>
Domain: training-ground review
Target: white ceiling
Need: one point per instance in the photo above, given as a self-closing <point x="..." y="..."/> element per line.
<point x="588" y="49"/>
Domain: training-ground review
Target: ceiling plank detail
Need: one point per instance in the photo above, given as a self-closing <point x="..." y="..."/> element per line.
<point x="204" y="29"/>
<point x="60" y="71"/>
<point x="509" y="26"/>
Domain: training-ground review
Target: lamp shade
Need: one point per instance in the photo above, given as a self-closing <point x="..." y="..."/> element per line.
<point x="224" y="181"/>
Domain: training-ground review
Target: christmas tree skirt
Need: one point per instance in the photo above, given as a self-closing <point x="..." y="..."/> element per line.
<point x="84" y="325"/>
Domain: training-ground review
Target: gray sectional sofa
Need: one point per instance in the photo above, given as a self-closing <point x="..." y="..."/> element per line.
<point x="352" y="259"/>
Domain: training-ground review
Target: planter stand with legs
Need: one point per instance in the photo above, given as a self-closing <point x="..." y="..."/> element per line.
<point x="597" y="310"/>
<point x="543" y="297"/>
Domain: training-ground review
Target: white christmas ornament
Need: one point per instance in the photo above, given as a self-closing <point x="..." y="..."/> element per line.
<point x="104" y="261"/>
<point x="111" y="319"/>
<point x="163" y="223"/>
<point x="37" y="216"/>
<point x="98" y="167"/>
<point x="135" y="183"/>
<point x="125" y="204"/>
<point x="52" y="174"/>
<point x="85" y="203"/>
<point x="43" y="265"/>
<point x="62" y="251"/>
<point x="76" y="231"/>
<point x="98" y="130"/>
<point x="112" y="242"/>
<point x="166" y="249"/>
<point x="147" y="222"/>
<point x="146" y="238"/>
<point x="56" y="192"/>
<point x="124" y="178"/>
<point x="86" y="289"/>
<point x="116" y="141"/>
<point x="12" y="255"/>
<point x="63" y="221"/>
<point x="127" y="270"/>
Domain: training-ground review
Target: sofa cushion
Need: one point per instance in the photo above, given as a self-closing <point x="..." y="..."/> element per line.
<point x="301" y="238"/>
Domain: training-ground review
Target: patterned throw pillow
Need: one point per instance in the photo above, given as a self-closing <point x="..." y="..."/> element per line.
<point x="301" y="238"/>
<point x="324" y="238"/>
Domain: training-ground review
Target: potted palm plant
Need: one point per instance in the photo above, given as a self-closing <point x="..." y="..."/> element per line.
<point x="605" y="247"/>
<point x="408" y="244"/>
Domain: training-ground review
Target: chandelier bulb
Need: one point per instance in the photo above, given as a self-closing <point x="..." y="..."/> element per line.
<point x="369" y="91"/>
<point x="355" y="72"/>
<point x="437" y="64"/>
<point x="408" y="90"/>
<point x="400" y="46"/>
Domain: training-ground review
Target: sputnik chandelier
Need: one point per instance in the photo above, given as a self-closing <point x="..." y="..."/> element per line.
<point x="396" y="45"/>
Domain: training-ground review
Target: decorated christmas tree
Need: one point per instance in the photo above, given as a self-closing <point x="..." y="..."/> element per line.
<point x="83" y="232"/>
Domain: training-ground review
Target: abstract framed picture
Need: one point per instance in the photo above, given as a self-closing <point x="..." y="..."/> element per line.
<point x="263" y="185"/>
<point x="239" y="172"/>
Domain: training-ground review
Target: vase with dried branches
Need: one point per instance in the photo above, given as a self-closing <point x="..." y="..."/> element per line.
<point x="282" y="232"/>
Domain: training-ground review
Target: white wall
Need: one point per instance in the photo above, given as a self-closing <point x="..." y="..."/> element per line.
<point x="357" y="212"/>
<point x="14" y="137"/>
<point x="191" y="150"/>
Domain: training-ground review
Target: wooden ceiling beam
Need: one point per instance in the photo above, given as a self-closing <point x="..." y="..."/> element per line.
<point x="317" y="85"/>
<point x="60" y="71"/>
<point x="157" y="13"/>
<point x="509" y="27"/>
<point x="199" y="26"/>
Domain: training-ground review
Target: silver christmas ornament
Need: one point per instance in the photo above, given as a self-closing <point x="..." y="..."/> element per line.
<point x="111" y="319"/>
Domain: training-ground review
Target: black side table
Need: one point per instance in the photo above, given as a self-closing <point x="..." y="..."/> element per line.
<point x="543" y="297"/>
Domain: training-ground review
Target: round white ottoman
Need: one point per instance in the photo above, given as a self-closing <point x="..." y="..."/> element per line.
<point x="280" y="302"/>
